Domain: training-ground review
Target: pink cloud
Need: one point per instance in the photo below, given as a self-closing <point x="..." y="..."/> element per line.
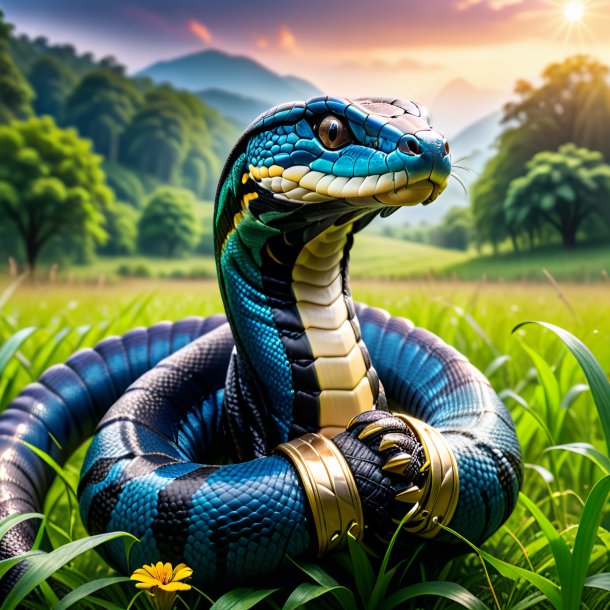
<point x="200" y="30"/>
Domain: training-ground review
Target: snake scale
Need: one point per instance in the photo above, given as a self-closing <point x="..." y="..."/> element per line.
<point x="294" y="358"/>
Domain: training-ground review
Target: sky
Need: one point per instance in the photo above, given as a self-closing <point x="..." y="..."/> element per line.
<point x="408" y="48"/>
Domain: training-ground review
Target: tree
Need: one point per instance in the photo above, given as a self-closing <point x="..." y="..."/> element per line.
<point x="455" y="231"/>
<point x="563" y="189"/>
<point x="168" y="226"/>
<point x="121" y="227"/>
<point x="572" y="104"/>
<point x="15" y="94"/>
<point x="51" y="83"/>
<point x="101" y="107"/>
<point x="51" y="186"/>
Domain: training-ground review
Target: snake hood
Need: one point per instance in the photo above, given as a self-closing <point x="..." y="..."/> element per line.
<point x="369" y="151"/>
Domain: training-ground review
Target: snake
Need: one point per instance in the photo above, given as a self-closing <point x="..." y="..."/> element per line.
<point x="298" y="417"/>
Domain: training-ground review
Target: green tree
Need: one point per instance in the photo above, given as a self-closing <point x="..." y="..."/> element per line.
<point x="51" y="83"/>
<point x="51" y="186"/>
<point x="563" y="189"/>
<point x="15" y="93"/>
<point x="101" y="107"/>
<point x="121" y="227"/>
<point x="455" y="230"/>
<point x="157" y="140"/>
<point x="572" y="104"/>
<point x="168" y="225"/>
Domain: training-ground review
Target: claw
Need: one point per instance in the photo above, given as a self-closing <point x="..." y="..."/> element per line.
<point x="410" y="495"/>
<point x="398" y="463"/>
<point x="390" y="441"/>
<point x="369" y="430"/>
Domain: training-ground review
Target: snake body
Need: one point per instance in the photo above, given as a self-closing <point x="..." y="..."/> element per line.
<point x="294" y="355"/>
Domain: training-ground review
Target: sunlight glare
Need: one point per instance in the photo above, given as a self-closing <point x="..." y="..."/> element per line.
<point x="574" y="10"/>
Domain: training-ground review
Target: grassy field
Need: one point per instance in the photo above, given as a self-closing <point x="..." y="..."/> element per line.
<point x="375" y="256"/>
<point x="540" y="381"/>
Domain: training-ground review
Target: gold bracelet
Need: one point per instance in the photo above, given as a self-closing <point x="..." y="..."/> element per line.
<point x="330" y="488"/>
<point x="438" y="498"/>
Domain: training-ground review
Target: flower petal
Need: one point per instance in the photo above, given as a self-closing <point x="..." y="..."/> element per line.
<point x="145" y="585"/>
<point x="167" y="573"/>
<point x="175" y="586"/>
<point x="144" y="578"/>
<point x="181" y="572"/>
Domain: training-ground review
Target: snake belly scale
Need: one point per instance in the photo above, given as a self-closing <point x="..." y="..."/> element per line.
<point x="211" y="436"/>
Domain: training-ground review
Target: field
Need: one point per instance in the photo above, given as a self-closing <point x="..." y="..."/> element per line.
<point x="539" y="559"/>
<point x="375" y="256"/>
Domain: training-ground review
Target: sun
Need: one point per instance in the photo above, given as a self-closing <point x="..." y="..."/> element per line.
<point x="574" y="10"/>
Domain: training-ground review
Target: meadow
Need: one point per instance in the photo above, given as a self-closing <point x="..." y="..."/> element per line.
<point x="550" y="554"/>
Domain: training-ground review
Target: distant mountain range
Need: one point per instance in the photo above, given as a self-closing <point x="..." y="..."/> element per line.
<point x="241" y="79"/>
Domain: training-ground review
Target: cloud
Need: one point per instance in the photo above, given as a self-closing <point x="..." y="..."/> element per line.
<point x="287" y="40"/>
<point x="262" y="42"/>
<point x="149" y="18"/>
<point x="200" y="30"/>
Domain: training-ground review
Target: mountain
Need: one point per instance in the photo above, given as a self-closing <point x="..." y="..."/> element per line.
<point x="213" y="69"/>
<point x="239" y="108"/>
<point x="459" y="104"/>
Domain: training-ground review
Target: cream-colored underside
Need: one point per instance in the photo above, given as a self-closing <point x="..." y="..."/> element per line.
<point x="300" y="183"/>
<point x="338" y="360"/>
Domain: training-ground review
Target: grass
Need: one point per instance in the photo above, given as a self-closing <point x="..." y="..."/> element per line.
<point x="553" y="552"/>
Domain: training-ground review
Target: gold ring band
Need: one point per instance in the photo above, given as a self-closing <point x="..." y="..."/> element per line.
<point x="440" y="492"/>
<point x="330" y="488"/>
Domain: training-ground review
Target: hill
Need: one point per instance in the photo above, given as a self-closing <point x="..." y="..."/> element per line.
<point x="239" y="108"/>
<point x="213" y="69"/>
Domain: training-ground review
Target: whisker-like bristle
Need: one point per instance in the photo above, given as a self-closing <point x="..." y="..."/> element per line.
<point x="454" y="175"/>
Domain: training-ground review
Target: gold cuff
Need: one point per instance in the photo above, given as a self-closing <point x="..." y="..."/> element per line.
<point x="330" y="488"/>
<point x="439" y="495"/>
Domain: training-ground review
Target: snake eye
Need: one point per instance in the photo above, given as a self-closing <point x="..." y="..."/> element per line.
<point x="333" y="132"/>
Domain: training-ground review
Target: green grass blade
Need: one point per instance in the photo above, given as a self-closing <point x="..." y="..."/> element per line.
<point x="532" y="601"/>
<point x="448" y="590"/>
<point x="495" y="364"/>
<point x="87" y="589"/>
<point x="361" y="569"/>
<point x="242" y="599"/>
<point x="572" y="394"/>
<point x="7" y="293"/>
<point x="546" y="378"/>
<point x="43" y="565"/>
<point x="103" y="603"/>
<point x="599" y="581"/>
<point x="559" y="547"/>
<point x="598" y="382"/>
<point x="13" y="343"/>
<point x="583" y="544"/>
<point x="7" y="564"/>
<point x="550" y="590"/>
<point x="49" y="461"/>
<point x="307" y="592"/>
<point x="588" y="451"/>
<point x="11" y="521"/>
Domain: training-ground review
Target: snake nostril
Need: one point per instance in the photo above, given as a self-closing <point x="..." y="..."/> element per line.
<point x="409" y="146"/>
<point x="446" y="147"/>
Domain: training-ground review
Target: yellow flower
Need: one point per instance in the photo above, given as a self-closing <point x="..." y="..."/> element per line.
<point x="162" y="577"/>
<point x="162" y="582"/>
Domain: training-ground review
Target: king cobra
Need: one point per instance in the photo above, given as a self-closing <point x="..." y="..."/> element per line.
<point x="300" y="418"/>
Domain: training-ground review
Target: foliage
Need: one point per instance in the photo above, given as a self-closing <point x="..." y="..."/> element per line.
<point x="15" y="94"/>
<point x="455" y="230"/>
<point x="51" y="82"/>
<point x="572" y="105"/>
<point x="51" y="186"/>
<point x="562" y="188"/>
<point x="121" y="226"/>
<point x="542" y="386"/>
<point x="101" y="107"/>
<point x="168" y="226"/>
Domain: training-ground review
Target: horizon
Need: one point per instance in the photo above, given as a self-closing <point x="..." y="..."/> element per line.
<point x="443" y="42"/>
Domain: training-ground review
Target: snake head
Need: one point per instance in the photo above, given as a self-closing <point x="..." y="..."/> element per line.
<point x="370" y="152"/>
<point x="388" y="463"/>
